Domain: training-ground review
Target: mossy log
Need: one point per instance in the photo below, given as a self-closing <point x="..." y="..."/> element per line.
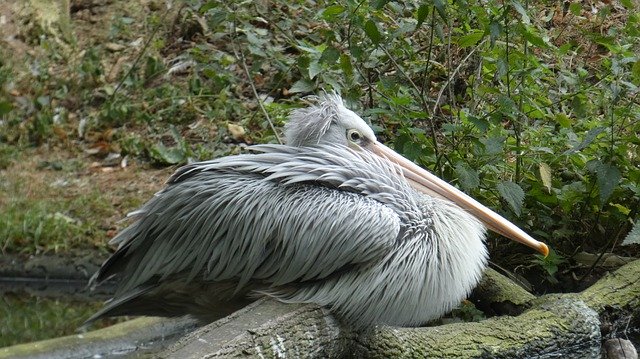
<point x="127" y="337"/>
<point x="557" y="325"/>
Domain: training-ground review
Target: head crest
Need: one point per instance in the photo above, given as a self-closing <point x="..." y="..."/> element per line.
<point x="307" y="125"/>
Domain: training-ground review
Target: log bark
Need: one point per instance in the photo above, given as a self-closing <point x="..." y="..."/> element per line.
<point x="567" y="325"/>
<point x="136" y="335"/>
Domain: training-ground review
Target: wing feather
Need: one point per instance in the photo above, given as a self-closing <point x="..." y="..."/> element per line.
<point x="277" y="217"/>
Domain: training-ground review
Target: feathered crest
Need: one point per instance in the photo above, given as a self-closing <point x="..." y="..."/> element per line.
<point x="307" y="125"/>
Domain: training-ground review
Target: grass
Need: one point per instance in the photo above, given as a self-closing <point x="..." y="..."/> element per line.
<point x="54" y="205"/>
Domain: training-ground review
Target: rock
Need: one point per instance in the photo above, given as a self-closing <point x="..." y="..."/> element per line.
<point x="617" y="348"/>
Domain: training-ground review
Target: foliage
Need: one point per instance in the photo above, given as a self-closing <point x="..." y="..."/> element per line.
<point x="530" y="108"/>
<point x="550" y="264"/>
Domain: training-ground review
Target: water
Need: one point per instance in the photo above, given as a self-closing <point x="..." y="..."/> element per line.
<point x="35" y="309"/>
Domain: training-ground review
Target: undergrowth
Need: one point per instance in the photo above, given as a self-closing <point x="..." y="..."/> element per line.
<point x="531" y="108"/>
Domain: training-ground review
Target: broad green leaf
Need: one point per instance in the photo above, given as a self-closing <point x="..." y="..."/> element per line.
<point x="575" y="8"/>
<point x="371" y="29"/>
<point x="492" y="145"/>
<point x="357" y="52"/>
<point x="330" y="55"/>
<point x="634" y="236"/>
<point x="481" y="123"/>
<point x="635" y="73"/>
<point x="507" y="106"/>
<point x="314" y="69"/>
<point x="513" y="194"/>
<point x="439" y="5"/>
<point x="412" y="150"/>
<point x="495" y="30"/>
<point x="545" y="175"/>
<point x="330" y="12"/>
<point x="577" y="104"/>
<point x="208" y="6"/>
<point x="591" y="135"/>
<point x="607" y="178"/>
<point x="563" y="120"/>
<point x="531" y="35"/>
<point x="345" y="65"/>
<point x="421" y="15"/>
<point x="379" y="4"/>
<point x="302" y="85"/>
<point x="468" y="177"/>
<point x="168" y="155"/>
<point x="628" y="4"/>
<point x="470" y="39"/>
<point x="622" y="209"/>
<point x="5" y="107"/>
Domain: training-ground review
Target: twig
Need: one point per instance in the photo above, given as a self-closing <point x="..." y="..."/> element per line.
<point x="454" y="73"/>
<point x="237" y="51"/>
<point x="139" y="57"/>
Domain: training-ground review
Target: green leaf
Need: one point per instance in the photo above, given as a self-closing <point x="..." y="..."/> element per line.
<point x="628" y="4"/>
<point x="591" y="135"/>
<point x="495" y="30"/>
<point x="379" y="4"/>
<point x="5" y="107"/>
<point x="634" y="235"/>
<point x="302" y="85"/>
<point x="551" y="262"/>
<point x="513" y="194"/>
<point x="507" y="106"/>
<point x="622" y="209"/>
<point x="492" y="145"/>
<point x="530" y="34"/>
<point x="607" y="178"/>
<point x="575" y="8"/>
<point x="345" y="65"/>
<point x="412" y="150"/>
<point x="481" y="123"/>
<point x="314" y="69"/>
<point x="164" y="154"/>
<point x="635" y="73"/>
<point x="545" y="175"/>
<point x="470" y="39"/>
<point x="577" y="104"/>
<point x="439" y="5"/>
<point x="371" y="29"/>
<point x="563" y="120"/>
<point x="332" y="11"/>
<point x="468" y="177"/>
<point x="330" y="55"/>
<point x="208" y="6"/>
<point x="421" y="15"/>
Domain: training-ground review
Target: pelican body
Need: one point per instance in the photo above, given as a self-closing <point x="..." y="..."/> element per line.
<point x="333" y="218"/>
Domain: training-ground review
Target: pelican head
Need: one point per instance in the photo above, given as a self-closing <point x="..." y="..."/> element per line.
<point x="329" y="121"/>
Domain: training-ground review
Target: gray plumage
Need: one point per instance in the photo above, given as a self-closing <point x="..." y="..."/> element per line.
<point x="318" y="221"/>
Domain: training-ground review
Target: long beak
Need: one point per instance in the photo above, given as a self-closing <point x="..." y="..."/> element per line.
<point x="428" y="183"/>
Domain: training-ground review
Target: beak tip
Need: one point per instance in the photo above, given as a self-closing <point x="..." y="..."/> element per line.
<point x="543" y="249"/>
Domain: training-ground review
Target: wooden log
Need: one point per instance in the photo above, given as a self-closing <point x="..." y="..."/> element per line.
<point x="568" y="325"/>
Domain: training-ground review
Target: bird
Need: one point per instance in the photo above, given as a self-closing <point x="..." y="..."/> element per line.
<point x="332" y="217"/>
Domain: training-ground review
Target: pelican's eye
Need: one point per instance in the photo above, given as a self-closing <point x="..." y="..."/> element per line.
<point x="354" y="136"/>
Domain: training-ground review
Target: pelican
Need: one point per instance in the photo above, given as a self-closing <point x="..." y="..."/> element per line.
<point x="333" y="217"/>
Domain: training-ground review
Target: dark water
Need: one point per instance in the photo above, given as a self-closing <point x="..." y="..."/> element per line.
<point x="37" y="309"/>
